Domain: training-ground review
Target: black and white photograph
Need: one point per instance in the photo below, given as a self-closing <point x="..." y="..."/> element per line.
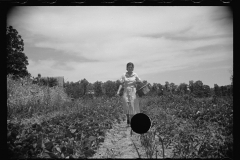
<point x="120" y="82"/>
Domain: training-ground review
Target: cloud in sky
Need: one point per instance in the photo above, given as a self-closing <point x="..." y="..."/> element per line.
<point x="96" y="42"/>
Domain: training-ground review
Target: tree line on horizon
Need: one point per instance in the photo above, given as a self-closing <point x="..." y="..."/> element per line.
<point x="109" y="88"/>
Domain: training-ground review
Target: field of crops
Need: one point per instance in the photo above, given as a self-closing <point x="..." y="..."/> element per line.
<point x="191" y="127"/>
<point x="76" y="131"/>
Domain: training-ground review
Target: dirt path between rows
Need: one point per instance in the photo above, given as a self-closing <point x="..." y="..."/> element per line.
<point x="119" y="143"/>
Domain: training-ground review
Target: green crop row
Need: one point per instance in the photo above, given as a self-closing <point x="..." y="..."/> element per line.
<point x="193" y="129"/>
<point x="76" y="133"/>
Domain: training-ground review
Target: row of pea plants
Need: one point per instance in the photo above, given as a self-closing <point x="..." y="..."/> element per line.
<point x="76" y="133"/>
<point x="191" y="129"/>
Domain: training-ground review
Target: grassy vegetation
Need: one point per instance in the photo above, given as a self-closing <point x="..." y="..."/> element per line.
<point x="25" y="99"/>
<point x="43" y="122"/>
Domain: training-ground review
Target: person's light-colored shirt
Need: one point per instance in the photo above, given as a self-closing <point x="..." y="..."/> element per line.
<point x="129" y="80"/>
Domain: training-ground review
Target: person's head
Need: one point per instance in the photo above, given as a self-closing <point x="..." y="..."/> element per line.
<point x="130" y="67"/>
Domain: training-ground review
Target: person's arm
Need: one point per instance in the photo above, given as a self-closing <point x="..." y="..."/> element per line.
<point x="119" y="89"/>
<point x="121" y="85"/>
<point x="138" y="80"/>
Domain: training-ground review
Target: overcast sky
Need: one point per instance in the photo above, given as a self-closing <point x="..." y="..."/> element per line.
<point x="174" y="44"/>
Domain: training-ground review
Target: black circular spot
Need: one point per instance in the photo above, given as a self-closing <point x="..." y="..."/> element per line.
<point x="140" y="123"/>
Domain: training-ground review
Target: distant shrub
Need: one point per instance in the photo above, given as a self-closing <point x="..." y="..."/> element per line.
<point x="49" y="81"/>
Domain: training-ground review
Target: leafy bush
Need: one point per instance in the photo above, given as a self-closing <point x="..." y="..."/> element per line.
<point x="50" y="82"/>
<point x="97" y="86"/>
<point x="110" y="88"/>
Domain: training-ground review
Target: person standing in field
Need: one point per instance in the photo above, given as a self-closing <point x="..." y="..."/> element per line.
<point x="129" y="81"/>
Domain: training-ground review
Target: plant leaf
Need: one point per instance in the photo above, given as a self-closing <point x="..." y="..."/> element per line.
<point x="45" y="155"/>
<point x="73" y="130"/>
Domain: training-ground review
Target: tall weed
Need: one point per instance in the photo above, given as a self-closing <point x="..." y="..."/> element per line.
<point x="25" y="99"/>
